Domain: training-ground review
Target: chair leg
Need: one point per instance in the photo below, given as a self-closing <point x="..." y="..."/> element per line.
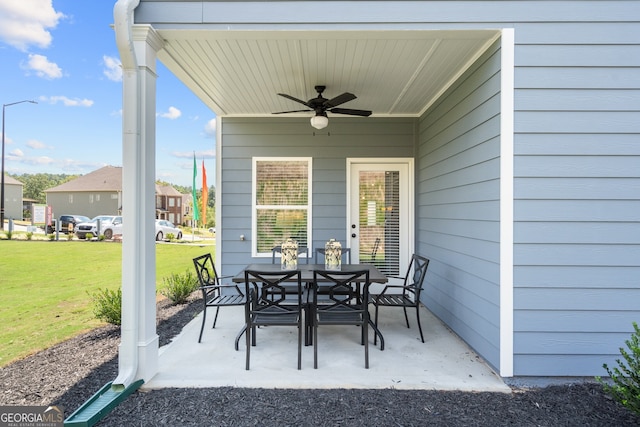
<point x="204" y="318"/>
<point x="215" y="319"/>
<point x="242" y="331"/>
<point x="375" y="336"/>
<point x="365" y="333"/>
<point x="248" y="349"/>
<point x="315" y="346"/>
<point x="300" y="326"/>
<point x="406" y="318"/>
<point x="418" y="319"/>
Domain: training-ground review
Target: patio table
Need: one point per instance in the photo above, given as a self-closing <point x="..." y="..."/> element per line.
<point x="375" y="276"/>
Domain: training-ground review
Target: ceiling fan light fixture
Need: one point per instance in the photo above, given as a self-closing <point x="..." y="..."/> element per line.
<point x="319" y="121"/>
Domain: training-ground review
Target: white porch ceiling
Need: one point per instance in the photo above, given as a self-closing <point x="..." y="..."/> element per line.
<point x="393" y="73"/>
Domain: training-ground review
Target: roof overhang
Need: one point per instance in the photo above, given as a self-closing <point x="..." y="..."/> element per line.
<point x="238" y="70"/>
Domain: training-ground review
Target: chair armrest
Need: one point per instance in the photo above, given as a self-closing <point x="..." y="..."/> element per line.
<point x="384" y="290"/>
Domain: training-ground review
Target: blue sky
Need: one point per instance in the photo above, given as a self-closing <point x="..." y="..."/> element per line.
<point x="62" y="54"/>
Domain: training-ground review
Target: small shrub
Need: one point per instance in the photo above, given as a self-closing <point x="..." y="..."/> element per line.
<point x="171" y="237"/>
<point x="107" y="305"/>
<point x="101" y="237"/>
<point x="51" y="237"/>
<point x="9" y="234"/>
<point x="29" y="235"/>
<point x="177" y="287"/>
<point x="69" y="236"/>
<point x="626" y="378"/>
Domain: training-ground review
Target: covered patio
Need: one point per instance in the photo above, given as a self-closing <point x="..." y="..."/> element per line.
<point x="443" y="362"/>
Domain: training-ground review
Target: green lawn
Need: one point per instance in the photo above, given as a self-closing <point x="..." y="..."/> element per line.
<point x="45" y="287"/>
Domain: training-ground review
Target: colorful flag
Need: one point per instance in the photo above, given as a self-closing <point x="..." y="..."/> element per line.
<point x="196" y="214"/>
<point x="205" y="195"/>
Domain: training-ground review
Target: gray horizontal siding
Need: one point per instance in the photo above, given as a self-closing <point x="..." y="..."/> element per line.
<point x="244" y="138"/>
<point x="577" y="96"/>
<point x="458" y="206"/>
<point x="577" y="197"/>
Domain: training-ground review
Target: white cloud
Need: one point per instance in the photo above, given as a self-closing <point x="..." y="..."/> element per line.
<point x="172" y="114"/>
<point x="210" y="128"/>
<point x="67" y="102"/>
<point x="43" y="67"/>
<point x="113" y="69"/>
<point x="36" y="145"/>
<point x="27" y="22"/>
<point x="16" y="153"/>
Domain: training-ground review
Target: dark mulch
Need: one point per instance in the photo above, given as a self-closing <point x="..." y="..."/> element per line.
<point x="71" y="372"/>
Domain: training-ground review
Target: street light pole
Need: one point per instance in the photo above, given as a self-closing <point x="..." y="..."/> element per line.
<point x="2" y="173"/>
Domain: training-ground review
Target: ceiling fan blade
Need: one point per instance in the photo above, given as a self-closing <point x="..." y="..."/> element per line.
<point x="363" y="113"/>
<point x="340" y="99"/>
<point x="294" y="111"/>
<point x="294" y="99"/>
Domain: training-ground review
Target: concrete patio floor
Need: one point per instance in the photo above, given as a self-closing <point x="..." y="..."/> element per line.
<point x="443" y="362"/>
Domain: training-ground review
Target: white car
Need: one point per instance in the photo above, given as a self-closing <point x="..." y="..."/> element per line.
<point x="164" y="228"/>
<point x="113" y="229"/>
<point x="91" y="227"/>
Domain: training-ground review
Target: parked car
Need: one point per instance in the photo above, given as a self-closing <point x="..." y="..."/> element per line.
<point x="164" y="228"/>
<point x="91" y="227"/>
<point x="67" y="223"/>
<point x="114" y="228"/>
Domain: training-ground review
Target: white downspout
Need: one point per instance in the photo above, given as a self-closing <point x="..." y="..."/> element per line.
<point x="123" y="22"/>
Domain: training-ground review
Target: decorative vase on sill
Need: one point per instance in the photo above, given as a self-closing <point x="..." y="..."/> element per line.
<point x="289" y="255"/>
<point x="332" y="255"/>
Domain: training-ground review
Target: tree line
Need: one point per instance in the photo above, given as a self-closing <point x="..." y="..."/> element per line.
<point x="34" y="186"/>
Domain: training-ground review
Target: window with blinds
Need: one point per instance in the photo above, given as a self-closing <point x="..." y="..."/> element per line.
<point x="282" y="202"/>
<point x="379" y="220"/>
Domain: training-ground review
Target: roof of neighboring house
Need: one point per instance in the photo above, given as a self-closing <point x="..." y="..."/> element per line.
<point x="167" y="190"/>
<point x="12" y="181"/>
<point x="108" y="178"/>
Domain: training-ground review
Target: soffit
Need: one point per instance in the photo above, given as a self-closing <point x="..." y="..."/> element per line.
<point x="393" y="73"/>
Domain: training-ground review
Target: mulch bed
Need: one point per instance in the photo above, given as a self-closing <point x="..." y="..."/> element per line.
<point x="71" y="372"/>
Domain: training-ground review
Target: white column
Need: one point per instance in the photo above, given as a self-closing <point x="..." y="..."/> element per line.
<point x="138" y="355"/>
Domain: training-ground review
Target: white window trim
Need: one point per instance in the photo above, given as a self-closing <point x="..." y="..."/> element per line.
<point x="254" y="218"/>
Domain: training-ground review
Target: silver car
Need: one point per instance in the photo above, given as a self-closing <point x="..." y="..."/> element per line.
<point x="91" y="227"/>
<point x="164" y="228"/>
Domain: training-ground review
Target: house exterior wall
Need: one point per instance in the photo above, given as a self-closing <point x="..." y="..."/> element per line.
<point x="244" y="138"/>
<point x="458" y="206"/>
<point x="90" y="204"/>
<point x="576" y="198"/>
<point x="12" y="201"/>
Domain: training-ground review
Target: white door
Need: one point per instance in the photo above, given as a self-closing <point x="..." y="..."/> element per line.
<point x="381" y="213"/>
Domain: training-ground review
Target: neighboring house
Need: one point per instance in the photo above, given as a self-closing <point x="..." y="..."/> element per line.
<point x="169" y="204"/>
<point x="503" y="146"/>
<point x="187" y="207"/>
<point x="12" y="198"/>
<point x="100" y="193"/>
<point x="93" y="194"/>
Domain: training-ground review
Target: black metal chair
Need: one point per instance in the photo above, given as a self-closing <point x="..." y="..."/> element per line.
<point x="409" y="297"/>
<point x="320" y="252"/>
<point x="340" y="305"/>
<point x="374" y="251"/>
<point x="213" y="291"/>
<point x="302" y="250"/>
<point x="275" y="299"/>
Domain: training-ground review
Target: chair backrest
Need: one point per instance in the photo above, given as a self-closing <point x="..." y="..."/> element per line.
<point x="276" y="252"/>
<point x="418" y="265"/>
<point x="273" y="290"/>
<point x="374" y="251"/>
<point x="206" y="270"/>
<point x="320" y="252"/>
<point x="341" y="289"/>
